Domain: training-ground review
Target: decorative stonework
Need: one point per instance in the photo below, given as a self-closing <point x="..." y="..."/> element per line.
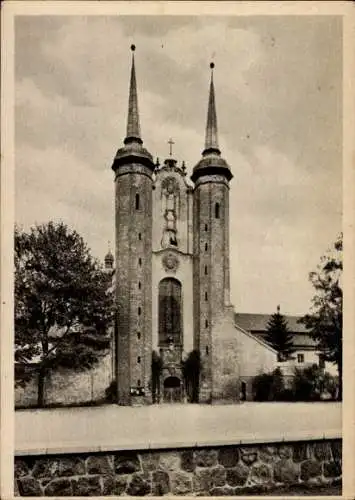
<point x="214" y="471"/>
<point x="170" y="262"/>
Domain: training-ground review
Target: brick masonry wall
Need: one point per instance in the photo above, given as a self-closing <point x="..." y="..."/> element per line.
<point x="215" y="471"/>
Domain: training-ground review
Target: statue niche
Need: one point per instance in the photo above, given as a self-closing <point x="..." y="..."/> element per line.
<point x="170" y="195"/>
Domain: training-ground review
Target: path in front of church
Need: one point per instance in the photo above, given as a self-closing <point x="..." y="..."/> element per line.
<point x="168" y="426"/>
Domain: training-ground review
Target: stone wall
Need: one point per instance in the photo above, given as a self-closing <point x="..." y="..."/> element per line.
<point x="216" y="471"/>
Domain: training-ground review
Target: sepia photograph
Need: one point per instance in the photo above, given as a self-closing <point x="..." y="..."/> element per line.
<point x="177" y="254"/>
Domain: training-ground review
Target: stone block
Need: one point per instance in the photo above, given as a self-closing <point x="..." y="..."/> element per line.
<point x="310" y="469"/>
<point x="114" y="485"/>
<point x="99" y="464"/>
<point x="86" y="486"/>
<point x="160" y="483"/>
<point x="286" y="471"/>
<point x="21" y="468"/>
<point x="138" y="486"/>
<point x="268" y="454"/>
<point x="170" y="460"/>
<point x="238" y="475"/>
<point x="332" y="469"/>
<point x="46" y="467"/>
<point x="285" y="451"/>
<point x="187" y="461"/>
<point x="149" y="461"/>
<point x="206" y="457"/>
<point x="202" y="480"/>
<point x="260" y="474"/>
<point x="336" y="447"/>
<point x="228" y="456"/>
<point x="300" y="452"/>
<point x="321" y="451"/>
<point x="127" y="463"/>
<point x="70" y="467"/>
<point x="59" y="487"/>
<point x="249" y="455"/>
<point x="224" y="491"/>
<point x="181" y="483"/>
<point x="29" y="487"/>
<point x="218" y="476"/>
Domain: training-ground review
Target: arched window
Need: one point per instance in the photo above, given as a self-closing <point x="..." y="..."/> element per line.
<point x="170" y="312"/>
<point x="137" y="202"/>
<point x="216" y="210"/>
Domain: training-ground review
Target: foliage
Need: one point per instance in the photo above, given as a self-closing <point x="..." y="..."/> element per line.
<point x="191" y="368"/>
<point x="313" y="384"/>
<point x="325" y="321"/>
<point x="157" y="367"/>
<point x="279" y="337"/>
<point x="267" y="386"/>
<point x="63" y="306"/>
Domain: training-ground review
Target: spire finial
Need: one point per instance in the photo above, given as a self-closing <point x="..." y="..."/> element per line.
<point x="133" y="126"/>
<point x="211" y="140"/>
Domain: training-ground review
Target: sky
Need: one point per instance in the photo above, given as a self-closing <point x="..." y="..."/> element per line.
<point x="278" y="83"/>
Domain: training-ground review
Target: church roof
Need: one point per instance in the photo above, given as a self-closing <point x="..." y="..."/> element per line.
<point x="258" y="322"/>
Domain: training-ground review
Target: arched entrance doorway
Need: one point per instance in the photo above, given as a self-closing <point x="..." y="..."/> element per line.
<point x="172" y="390"/>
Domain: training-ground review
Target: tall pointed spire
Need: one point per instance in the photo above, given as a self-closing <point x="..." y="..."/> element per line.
<point x="211" y="162"/>
<point x="133" y="126"/>
<point x="211" y="140"/>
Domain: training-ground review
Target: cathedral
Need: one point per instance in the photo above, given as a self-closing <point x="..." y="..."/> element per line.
<point x="171" y="276"/>
<point x="172" y="269"/>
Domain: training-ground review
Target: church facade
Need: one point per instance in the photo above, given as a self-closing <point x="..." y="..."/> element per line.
<point x="172" y="269"/>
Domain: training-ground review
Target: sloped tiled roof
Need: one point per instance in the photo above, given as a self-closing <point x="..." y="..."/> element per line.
<point x="258" y="322"/>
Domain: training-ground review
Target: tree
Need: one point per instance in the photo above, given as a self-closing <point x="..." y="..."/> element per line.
<point x="191" y="368"/>
<point x="157" y="367"/>
<point x="325" y="321"/>
<point x="278" y="335"/>
<point x="63" y="306"/>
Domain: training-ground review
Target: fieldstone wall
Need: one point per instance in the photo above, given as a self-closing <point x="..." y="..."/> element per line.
<point x="215" y="471"/>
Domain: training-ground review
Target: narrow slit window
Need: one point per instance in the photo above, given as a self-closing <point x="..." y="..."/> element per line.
<point x="206" y="323"/>
<point x="206" y="270"/>
<point x="138" y="359"/>
<point x="138" y="335"/>
<point x="139" y="311"/>
<point x="206" y="350"/>
<point x="137" y="202"/>
<point x="139" y="236"/>
<point x="216" y="210"/>
<point x="206" y="247"/>
<point x="206" y="296"/>
<point x="206" y="227"/>
<point x="138" y="383"/>
<point x="139" y="261"/>
<point x="139" y="285"/>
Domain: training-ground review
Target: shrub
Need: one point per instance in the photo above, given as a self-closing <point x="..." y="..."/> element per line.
<point x="268" y="386"/>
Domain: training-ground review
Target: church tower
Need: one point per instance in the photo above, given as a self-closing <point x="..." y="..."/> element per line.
<point x="133" y="166"/>
<point x="211" y="279"/>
